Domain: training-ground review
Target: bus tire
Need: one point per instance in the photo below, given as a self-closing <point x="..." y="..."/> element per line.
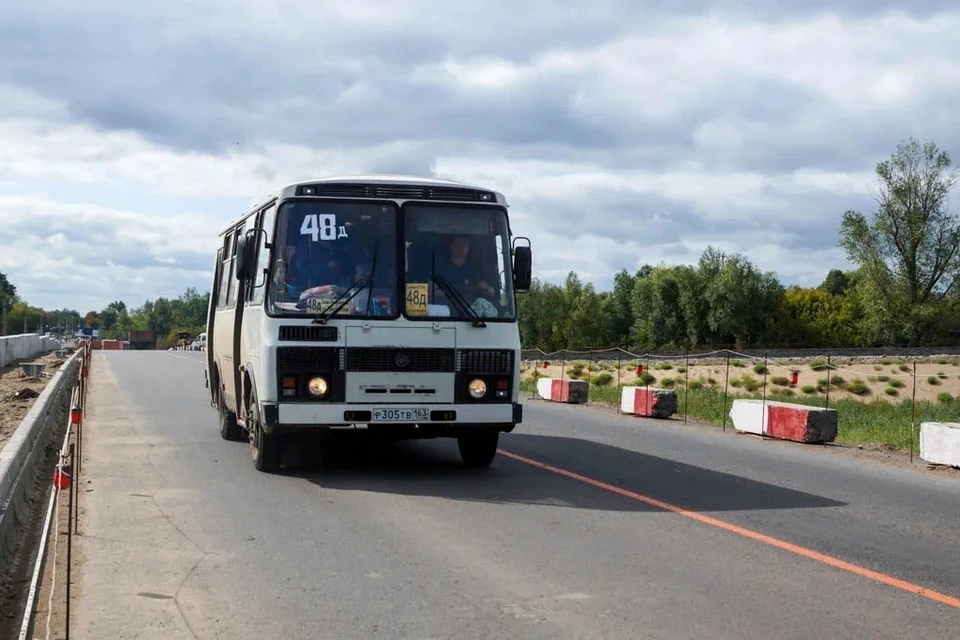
<point x="478" y="449"/>
<point x="229" y="429"/>
<point x="265" y="449"/>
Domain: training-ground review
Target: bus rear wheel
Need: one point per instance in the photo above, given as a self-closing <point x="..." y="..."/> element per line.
<point x="265" y="449"/>
<point x="478" y="448"/>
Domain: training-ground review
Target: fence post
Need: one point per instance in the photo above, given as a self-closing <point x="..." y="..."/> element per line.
<point x="686" y="382"/>
<point x="589" y="376"/>
<point x="827" y="407"/>
<point x="763" y="413"/>
<point x="913" y="409"/>
<point x="619" y="390"/>
<point x="726" y="388"/>
<point x="646" y="370"/>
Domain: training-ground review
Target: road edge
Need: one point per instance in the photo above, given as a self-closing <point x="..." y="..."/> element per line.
<point x="21" y="460"/>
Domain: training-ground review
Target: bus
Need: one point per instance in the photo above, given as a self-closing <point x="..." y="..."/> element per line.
<point x="379" y="303"/>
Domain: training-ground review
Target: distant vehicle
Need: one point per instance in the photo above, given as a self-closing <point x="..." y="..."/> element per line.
<point x="199" y="343"/>
<point x="140" y="339"/>
<point x="378" y="302"/>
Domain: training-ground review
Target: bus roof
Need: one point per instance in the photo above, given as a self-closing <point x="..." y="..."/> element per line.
<point x="372" y="186"/>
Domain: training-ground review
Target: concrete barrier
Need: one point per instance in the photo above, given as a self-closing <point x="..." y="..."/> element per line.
<point x="568" y="391"/>
<point x="940" y="443"/>
<point x="649" y="402"/>
<point x="24" y="476"/>
<point x="24" y="345"/>
<point x="784" y="420"/>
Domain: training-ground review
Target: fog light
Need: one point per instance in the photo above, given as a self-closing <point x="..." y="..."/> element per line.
<point x="478" y="388"/>
<point x="317" y="387"/>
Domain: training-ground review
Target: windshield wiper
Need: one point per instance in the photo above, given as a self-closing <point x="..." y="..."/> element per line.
<point x="355" y="288"/>
<point x="457" y="298"/>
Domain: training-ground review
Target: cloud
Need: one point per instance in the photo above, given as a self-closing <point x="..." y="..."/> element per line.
<point x="621" y="133"/>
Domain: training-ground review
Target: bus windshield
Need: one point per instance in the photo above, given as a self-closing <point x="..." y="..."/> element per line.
<point x="458" y="263"/>
<point x="333" y="256"/>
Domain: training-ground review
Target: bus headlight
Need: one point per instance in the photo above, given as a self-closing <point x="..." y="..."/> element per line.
<point x="477" y="388"/>
<point x="317" y="387"/>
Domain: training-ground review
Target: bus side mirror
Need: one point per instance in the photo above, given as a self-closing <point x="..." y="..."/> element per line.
<point x="522" y="268"/>
<point x="247" y="256"/>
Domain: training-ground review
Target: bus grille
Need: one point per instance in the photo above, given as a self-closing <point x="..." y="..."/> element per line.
<point x="308" y="359"/>
<point x="368" y="359"/>
<point x="301" y="333"/>
<point x="485" y="361"/>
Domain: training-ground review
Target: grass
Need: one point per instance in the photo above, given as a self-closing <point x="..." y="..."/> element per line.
<point x="860" y="420"/>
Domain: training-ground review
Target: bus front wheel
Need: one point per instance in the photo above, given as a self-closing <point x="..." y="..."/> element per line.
<point x="478" y="448"/>
<point x="266" y="450"/>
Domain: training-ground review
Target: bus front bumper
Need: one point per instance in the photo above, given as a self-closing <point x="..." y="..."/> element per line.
<point x="302" y="416"/>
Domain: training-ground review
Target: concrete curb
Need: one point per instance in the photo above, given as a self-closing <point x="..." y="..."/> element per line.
<point x="21" y="458"/>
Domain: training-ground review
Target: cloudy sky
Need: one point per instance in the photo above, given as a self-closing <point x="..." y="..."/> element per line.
<point x="622" y="132"/>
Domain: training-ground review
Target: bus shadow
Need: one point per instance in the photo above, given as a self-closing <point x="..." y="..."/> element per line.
<point x="432" y="468"/>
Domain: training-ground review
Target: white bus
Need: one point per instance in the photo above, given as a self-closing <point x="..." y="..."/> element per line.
<point x="384" y="303"/>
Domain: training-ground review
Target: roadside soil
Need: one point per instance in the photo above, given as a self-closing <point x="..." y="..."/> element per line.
<point x="50" y="613"/>
<point x="18" y="392"/>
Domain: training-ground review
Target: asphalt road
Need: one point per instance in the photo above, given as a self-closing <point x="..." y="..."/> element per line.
<point x="564" y="537"/>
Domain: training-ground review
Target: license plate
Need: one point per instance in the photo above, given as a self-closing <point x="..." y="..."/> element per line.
<point x="401" y="415"/>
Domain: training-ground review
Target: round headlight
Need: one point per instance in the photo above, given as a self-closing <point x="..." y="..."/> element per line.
<point x="317" y="387"/>
<point x="478" y="388"/>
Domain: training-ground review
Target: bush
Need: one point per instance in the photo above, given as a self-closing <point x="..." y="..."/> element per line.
<point x="934" y="380"/>
<point x="780" y="381"/>
<point x="837" y="381"/>
<point x="944" y="398"/>
<point x="738" y="363"/>
<point x="681" y="369"/>
<point x="646" y="378"/>
<point x="750" y="383"/>
<point x="602" y="379"/>
<point x="857" y="387"/>
<point x="695" y="385"/>
<point x="890" y="391"/>
<point x="896" y="383"/>
<point x="760" y="368"/>
<point x="904" y="367"/>
<point x="808" y="389"/>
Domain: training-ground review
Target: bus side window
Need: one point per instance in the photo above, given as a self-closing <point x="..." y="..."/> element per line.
<point x="263" y="254"/>
<point x="225" y="271"/>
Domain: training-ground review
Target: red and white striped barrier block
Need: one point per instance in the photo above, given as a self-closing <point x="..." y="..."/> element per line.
<point x="557" y="390"/>
<point x="649" y="402"/>
<point x="784" y="421"/>
<point x="940" y="443"/>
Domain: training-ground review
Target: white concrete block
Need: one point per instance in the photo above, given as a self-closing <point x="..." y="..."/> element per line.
<point x="749" y="416"/>
<point x="940" y="443"/>
<point x="545" y="388"/>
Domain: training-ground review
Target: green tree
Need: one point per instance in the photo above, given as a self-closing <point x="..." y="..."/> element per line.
<point x="909" y="251"/>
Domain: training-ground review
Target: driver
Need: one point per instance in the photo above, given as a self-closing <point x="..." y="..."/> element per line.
<point x="456" y="267"/>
